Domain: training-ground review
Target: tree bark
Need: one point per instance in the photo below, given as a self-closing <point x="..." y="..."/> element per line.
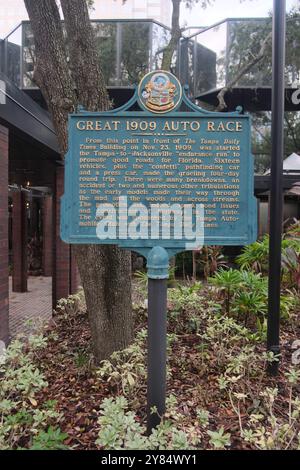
<point x="84" y="58"/>
<point x="104" y="271"/>
<point x="169" y="50"/>
<point x="67" y="80"/>
<point x="51" y="72"/>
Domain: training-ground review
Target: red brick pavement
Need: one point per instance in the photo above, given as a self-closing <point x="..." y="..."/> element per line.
<point x="29" y="310"/>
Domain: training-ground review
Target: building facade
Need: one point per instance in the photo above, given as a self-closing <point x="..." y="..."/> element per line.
<point x="13" y="12"/>
<point x="158" y="10"/>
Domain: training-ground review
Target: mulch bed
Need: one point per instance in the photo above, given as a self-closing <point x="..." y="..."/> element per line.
<point x="73" y="382"/>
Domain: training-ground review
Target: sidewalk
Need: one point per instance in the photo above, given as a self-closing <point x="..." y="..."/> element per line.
<point x="33" y="307"/>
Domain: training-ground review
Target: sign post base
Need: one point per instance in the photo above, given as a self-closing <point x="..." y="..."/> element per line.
<point x="157" y="264"/>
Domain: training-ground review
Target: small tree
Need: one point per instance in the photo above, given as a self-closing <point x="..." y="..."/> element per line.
<point x="176" y="30"/>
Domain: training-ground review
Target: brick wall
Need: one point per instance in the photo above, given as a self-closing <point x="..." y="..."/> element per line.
<point x="61" y="264"/>
<point x="4" y="234"/>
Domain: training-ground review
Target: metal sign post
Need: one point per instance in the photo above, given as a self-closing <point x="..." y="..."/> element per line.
<point x="157" y="265"/>
<point x="276" y="201"/>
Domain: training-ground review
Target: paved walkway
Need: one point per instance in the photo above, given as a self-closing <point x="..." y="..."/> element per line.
<point x="28" y="310"/>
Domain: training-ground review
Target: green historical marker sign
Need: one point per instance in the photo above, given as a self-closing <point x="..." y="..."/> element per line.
<point x="165" y="178"/>
<point x="169" y="174"/>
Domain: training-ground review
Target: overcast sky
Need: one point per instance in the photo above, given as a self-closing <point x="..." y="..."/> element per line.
<point x="221" y="9"/>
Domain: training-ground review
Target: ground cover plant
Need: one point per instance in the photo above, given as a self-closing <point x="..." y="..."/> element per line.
<point x="54" y="396"/>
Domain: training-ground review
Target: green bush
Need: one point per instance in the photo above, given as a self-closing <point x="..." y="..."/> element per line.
<point x="255" y="256"/>
<point x="186" y="308"/>
<point x="126" y="369"/>
<point x="72" y="306"/>
<point x="291" y="266"/>
<point x="120" y="429"/>
<point x="52" y="439"/>
<point x="226" y="280"/>
<point x="23" y="420"/>
<point x="245" y="296"/>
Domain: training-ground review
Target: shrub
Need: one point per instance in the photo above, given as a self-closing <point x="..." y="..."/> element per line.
<point x="255" y="256"/>
<point x="52" y="439"/>
<point x="23" y="419"/>
<point x="226" y="280"/>
<point x="72" y="306"/>
<point x="186" y="308"/>
<point x="246" y="296"/>
<point x="211" y="258"/>
<point x="120" y="429"/>
<point x="250" y="304"/>
<point x="219" y="439"/>
<point x="126" y="369"/>
<point x="291" y="266"/>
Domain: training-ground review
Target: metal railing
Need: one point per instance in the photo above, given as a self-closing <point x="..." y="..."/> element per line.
<point x="128" y="49"/>
<point x="205" y="59"/>
<point x="235" y="43"/>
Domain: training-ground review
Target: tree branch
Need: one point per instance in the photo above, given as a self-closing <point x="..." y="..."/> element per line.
<point x="169" y="50"/>
<point x="222" y="93"/>
<point x="266" y="139"/>
<point x="292" y="133"/>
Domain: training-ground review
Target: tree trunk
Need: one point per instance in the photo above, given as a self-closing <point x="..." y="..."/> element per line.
<point x="104" y="274"/>
<point x="169" y="50"/>
<point x="66" y="82"/>
<point x="84" y="58"/>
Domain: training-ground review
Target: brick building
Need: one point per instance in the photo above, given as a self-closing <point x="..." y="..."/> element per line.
<point x="31" y="174"/>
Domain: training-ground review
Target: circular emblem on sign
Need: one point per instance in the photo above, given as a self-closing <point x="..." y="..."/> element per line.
<point x="159" y="92"/>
